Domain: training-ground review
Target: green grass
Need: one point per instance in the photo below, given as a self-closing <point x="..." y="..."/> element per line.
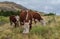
<point x="4" y="19"/>
<point x="50" y="31"/>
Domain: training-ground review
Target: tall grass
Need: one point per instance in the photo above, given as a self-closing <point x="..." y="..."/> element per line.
<point x="4" y="19"/>
<point x="50" y="31"/>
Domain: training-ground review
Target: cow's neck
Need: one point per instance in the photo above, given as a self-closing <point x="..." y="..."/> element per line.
<point x="27" y="16"/>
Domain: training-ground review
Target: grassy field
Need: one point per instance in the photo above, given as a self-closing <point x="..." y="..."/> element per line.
<point x="50" y="31"/>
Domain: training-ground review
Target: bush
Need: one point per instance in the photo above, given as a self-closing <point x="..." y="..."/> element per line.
<point x="8" y="13"/>
<point x="49" y="14"/>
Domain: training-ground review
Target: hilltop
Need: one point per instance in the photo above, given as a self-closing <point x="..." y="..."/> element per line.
<point x="11" y="6"/>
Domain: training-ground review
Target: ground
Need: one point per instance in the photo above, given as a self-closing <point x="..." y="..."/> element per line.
<point x="50" y="31"/>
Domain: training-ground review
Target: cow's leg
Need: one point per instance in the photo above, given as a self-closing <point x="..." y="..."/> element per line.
<point x="15" y="24"/>
<point x="21" y="24"/>
<point x="11" y="22"/>
<point x="35" y="21"/>
<point x="17" y="20"/>
<point x="30" y="27"/>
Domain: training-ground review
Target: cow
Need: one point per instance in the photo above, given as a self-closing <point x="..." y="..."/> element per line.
<point x="14" y="20"/>
<point x="26" y="20"/>
<point x="37" y="17"/>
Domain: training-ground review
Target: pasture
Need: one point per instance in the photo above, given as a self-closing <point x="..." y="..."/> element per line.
<point x="50" y="31"/>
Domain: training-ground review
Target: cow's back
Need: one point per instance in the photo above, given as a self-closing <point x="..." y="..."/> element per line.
<point x="12" y="18"/>
<point x="22" y="16"/>
<point x="36" y="15"/>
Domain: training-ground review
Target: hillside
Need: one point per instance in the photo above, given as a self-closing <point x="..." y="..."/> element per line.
<point x="10" y="6"/>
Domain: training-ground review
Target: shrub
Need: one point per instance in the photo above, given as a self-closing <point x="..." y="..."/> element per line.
<point x="8" y="13"/>
<point x="49" y="14"/>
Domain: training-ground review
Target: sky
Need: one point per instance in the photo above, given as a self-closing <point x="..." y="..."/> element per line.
<point x="40" y="5"/>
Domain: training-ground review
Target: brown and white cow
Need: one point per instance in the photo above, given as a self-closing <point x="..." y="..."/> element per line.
<point x="14" y="20"/>
<point x="37" y="17"/>
<point x="26" y="17"/>
<point x="26" y="20"/>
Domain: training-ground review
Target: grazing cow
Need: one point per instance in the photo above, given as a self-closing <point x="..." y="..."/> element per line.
<point x="36" y="16"/>
<point x="14" y="19"/>
<point x="26" y="20"/>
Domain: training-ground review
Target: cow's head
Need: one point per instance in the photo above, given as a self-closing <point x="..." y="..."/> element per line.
<point x="26" y="28"/>
<point x="43" y="22"/>
<point x="17" y="18"/>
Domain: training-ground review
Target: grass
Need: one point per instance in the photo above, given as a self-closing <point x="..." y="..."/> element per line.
<point x="3" y="20"/>
<point x="50" y="31"/>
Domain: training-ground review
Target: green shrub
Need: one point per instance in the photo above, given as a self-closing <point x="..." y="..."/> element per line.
<point x="49" y="14"/>
<point x="8" y="13"/>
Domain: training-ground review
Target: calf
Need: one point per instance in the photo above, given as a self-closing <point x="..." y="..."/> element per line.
<point x="14" y="20"/>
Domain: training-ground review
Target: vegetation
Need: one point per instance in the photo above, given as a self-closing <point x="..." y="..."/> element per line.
<point x="49" y="14"/>
<point x="8" y="13"/>
<point x="50" y="31"/>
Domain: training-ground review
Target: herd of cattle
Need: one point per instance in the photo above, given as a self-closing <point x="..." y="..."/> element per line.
<point x="25" y="18"/>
